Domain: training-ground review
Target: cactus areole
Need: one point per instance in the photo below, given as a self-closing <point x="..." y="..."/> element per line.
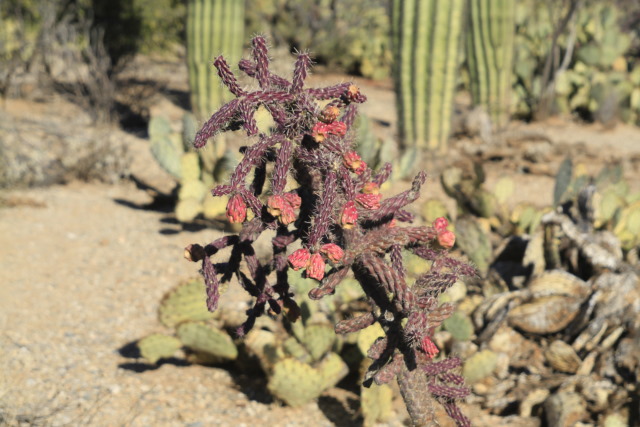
<point x="341" y="224"/>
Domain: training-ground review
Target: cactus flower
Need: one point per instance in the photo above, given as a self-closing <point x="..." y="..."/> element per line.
<point x="369" y="201"/>
<point x="429" y="347"/>
<point x="315" y="270"/>
<point x="236" y="209"/>
<point x="299" y="259"/>
<point x="349" y="214"/>
<point x="319" y="132"/>
<point x="332" y="251"/>
<point x="337" y="128"/>
<point x="446" y="239"/>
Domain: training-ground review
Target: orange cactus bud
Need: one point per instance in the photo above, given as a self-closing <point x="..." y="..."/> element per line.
<point x="329" y="114"/>
<point x="299" y="259"/>
<point x="371" y="188"/>
<point x="236" y="209"/>
<point x="332" y="251"/>
<point x="315" y="270"/>
<point x="353" y="161"/>
<point x="349" y="216"/>
<point x="446" y="239"/>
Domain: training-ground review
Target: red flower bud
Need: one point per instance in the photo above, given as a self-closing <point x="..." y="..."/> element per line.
<point x="440" y="224"/>
<point x="329" y="114"/>
<point x="369" y="201"/>
<point x="236" y="209"/>
<point x="429" y="347"/>
<point x="293" y="199"/>
<point x="287" y="215"/>
<point x="349" y="216"/>
<point x="299" y="259"/>
<point x="275" y="204"/>
<point x="320" y="132"/>
<point x="332" y="251"/>
<point x="446" y="239"/>
<point x="337" y="128"/>
<point x="315" y="270"/>
<point x="371" y="188"/>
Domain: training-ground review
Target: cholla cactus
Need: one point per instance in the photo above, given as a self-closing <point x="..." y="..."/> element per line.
<point x="342" y="223"/>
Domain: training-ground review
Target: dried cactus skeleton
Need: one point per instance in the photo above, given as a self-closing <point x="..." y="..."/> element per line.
<point x="342" y="223"/>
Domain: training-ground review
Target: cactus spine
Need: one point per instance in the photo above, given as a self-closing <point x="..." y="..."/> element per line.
<point x="489" y="47"/>
<point x="214" y="27"/>
<point x="426" y="39"/>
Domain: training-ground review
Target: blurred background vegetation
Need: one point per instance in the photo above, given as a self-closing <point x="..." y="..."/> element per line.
<point x="570" y="57"/>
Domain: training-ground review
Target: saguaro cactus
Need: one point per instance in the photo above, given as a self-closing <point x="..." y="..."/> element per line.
<point x="489" y="48"/>
<point x="214" y="27"/>
<point x="426" y="38"/>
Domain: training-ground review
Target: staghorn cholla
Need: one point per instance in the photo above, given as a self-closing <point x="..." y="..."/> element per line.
<point x="341" y="221"/>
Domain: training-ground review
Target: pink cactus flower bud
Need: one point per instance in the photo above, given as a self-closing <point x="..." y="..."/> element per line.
<point x="337" y="128"/>
<point x="371" y="188"/>
<point x="293" y="199"/>
<point x="353" y="161"/>
<point x="275" y="204"/>
<point x="446" y="239"/>
<point x="236" y="209"/>
<point x="369" y="201"/>
<point x="352" y="94"/>
<point x="440" y="224"/>
<point x="332" y="251"/>
<point x="299" y="259"/>
<point x="329" y="114"/>
<point x="429" y="347"/>
<point x="287" y="215"/>
<point x="349" y="216"/>
<point x="315" y="270"/>
<point x="319" y="132"/>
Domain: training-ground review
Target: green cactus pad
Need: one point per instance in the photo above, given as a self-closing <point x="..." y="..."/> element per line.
<point x="207" y="339"/>
<point x="474" y="242"/>
<point x="349" y="290"/>
<point x="480" y="366"/>
<point x="184" y="303"/>
<point x="415" y="265"/>
<point x="332" y="369"/>
<point x="190" y="166"/>
<point x="295" y="383"/>
<point x="188" y="209"/>
<point x="376" y="402"/>
<point x="504" y="189"/>
<point x="168" y="154"/>
<point x="192" y="189"/>
<point x="158" y="127"/>
<point x="214" y="207"/>
<point x="432" y="209"/>
<point x="158" y="346"/>
<point x="459" y="325"/>
<point x="189" y="129"/>
<point x="318" y="339"/>
<point x="368" y="336"/>
<point x="292" y="347"/>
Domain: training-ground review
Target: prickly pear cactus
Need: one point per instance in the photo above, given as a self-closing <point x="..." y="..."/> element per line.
<point x="480" y="366"/>
<point x="332" y="369"/>
<point x="459" y="325"/>
<point x="166" y="150"/>
<point x="318" y="339"/>
<point x="474" y="242"/>
<point x="295" y="383"/>
<point x="158" y="346"/>
<point x="376" y="402"/>
<point x="207" y="339"/>
<point x="184" y="303"/>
